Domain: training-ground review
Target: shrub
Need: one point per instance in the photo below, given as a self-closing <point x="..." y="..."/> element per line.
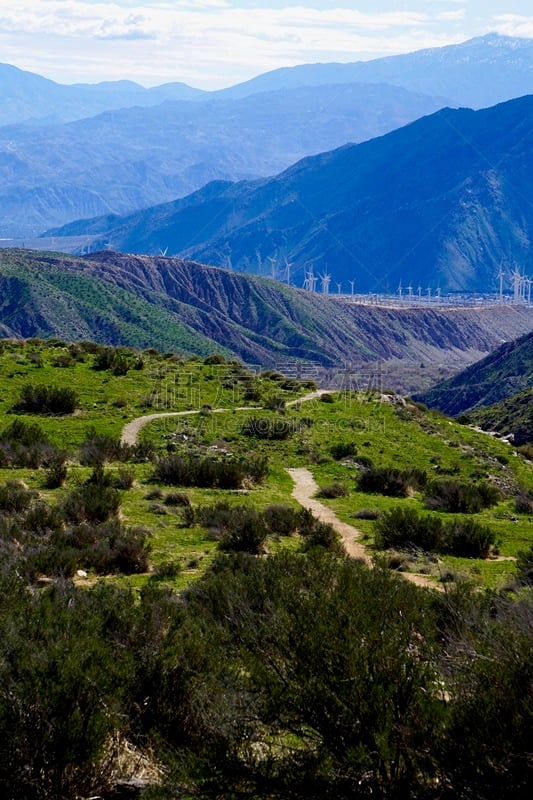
<point x="460" y="497"/>
<point x="237" y="528"/>
<point x="367" y="513"/>
<point x="177" y="499"/>
<point x="15" y="497"/>
<point x="216" y="358"/>
<point x="56" y="474"/>
<point x="282" y="519"/>
<point x="402" y="528"/>
<point x="523" y="503"/>
<point x="207" y="472"/>
<point x="524" y="566"/>
<point x="94" y="501"/>
<point x="24" y="444"/>
<point x="391" y="481"/>
<point x="268" y="428"/>
<point x="333" y="490"/>
<point x="342" y="450"/>
<point x="97" y="448"/>
<point x="46" y="400"/>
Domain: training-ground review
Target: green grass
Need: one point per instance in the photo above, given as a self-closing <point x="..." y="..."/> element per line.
<point x="381" y="428"/>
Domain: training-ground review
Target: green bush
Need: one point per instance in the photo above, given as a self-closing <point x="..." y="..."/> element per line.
<point x="24" y="444"/>
<point x="41" y="399"/>
<point x="342" y="450"/>
<point x="267" y="428"/>
<point x="282" y="519"/>
<point x="391" y="481"/>
<point x="460" y="497"/>
<point x="332" y="491"/>
<point x="401" y="528"/>
<point x="207" y="472"/>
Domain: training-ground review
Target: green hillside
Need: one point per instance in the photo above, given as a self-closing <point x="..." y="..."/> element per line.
<point x="505" y="372"/>
<point x="170" y="304"/>
<point x="175" y="624"/>
<point x="510" y="417"/>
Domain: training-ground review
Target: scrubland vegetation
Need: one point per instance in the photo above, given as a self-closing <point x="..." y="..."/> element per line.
<point x="171" y="615"/>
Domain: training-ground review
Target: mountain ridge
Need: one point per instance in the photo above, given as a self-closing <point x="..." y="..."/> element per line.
<point x="442" y="201"/>
<point x="155" y="301"/>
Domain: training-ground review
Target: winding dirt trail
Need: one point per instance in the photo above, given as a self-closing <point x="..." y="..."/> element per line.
<point x="130" y="431"/>
<point x="305" y="487"/>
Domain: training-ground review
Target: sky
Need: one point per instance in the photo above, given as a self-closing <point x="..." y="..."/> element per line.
<point x="211" y="44"/>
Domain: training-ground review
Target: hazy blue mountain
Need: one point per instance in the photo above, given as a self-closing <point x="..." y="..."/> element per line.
<point x="443" y="201"/>
<point x="132" y="158"/>
<point x="27" y="97"/>
<point x="477" y="73"/>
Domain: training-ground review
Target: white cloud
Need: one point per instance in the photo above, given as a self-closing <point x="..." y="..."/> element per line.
<point x="208" y="43"/>
<point x="514" y="25"/>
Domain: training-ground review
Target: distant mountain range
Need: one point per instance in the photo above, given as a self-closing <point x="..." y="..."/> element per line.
<point x="443" y="202"/>
<point x="60" y="162"/>
<point x="502" y="374"/>
<point x="479" y="72"/>
<point x="132" y="158"/>
<point x="174" y="305"/>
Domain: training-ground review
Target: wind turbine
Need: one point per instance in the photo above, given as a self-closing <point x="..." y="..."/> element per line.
<point x="325" y="280"/>
<point x="410" y="290"/>
<point x="273" y="270"/>
<point x="163" y="252"/>
<point x="501" y="276"/>
<point x="517" y="285"/>
<point x="352" y="287"/>
<point x="339" y="287"/>
<point x="419" y="293"/>
<point x="288" y="265"/>
<point x="400" y="290"/>
<point x="428" y="290"/>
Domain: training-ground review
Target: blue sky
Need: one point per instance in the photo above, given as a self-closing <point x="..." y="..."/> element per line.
<point x="216" y="43"/>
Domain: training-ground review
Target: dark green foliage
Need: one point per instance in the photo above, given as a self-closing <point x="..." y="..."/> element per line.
<point x="342" y="450"/>
<point x="267" y="428"/>
<point x="317" y="655"/>
<point x="391" y="481"/>
<point x="115" y="360"/>
<point x="333" y="490"/>
<point x="15" y="497"/>
<point x="207" y="472"/>
<point x="41" y="399"/>
<point x="177" y="499"/>
<point x="24" y="444"/>
<point x="66" y="666"/>
<point x="319" y="534"/>
<point x="523" y="503"/>
<point x="524" y="567"/>
<point x="282" y="519"/>
<point x="56" y="473"/>
<point x="236" y="528"/>
<point x="97" y="448"/>
<point x="460" y="497"/>
<point x="216" y="358"/>
<point x="94" y="501"/>
<point x="487" y="655"/>
<point x="404" y="528"/>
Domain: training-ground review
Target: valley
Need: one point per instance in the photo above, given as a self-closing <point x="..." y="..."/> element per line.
<point x="266" y="415"/>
